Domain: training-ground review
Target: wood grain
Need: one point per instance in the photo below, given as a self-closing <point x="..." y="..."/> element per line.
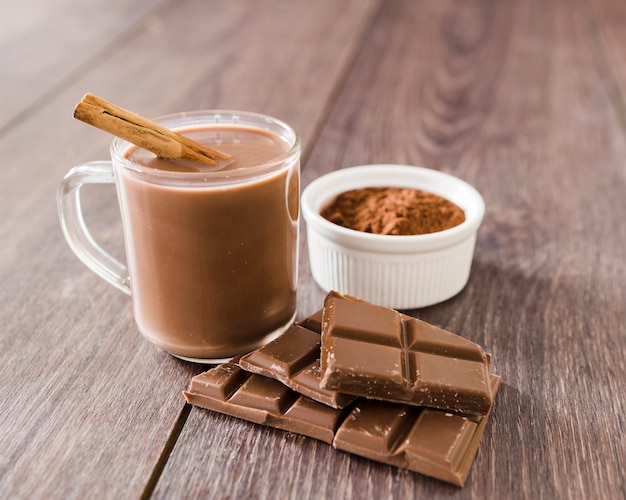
<point x="46" y="45"/>
<point x="542" y="143"/>
<point x="606" y="22"/>
<point x="88" y="406"/>
<point x="507" y="96"/>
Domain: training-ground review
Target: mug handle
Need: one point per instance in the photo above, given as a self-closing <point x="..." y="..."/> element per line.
<point x="75" y="230"/>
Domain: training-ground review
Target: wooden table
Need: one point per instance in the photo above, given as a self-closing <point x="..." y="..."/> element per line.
<point x="525" y="100"/>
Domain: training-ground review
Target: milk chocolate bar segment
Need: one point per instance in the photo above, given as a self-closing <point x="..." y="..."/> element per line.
<point x="421" y="336"/>
<point x="229" y="389"/>
<point x="288" y="354"/>
<point x="376" y="352"/>
<point x="433" y="442"/>
<point x="293" y="359"/>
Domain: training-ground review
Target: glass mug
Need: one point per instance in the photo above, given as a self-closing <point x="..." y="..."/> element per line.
<point x="212" y="252"/>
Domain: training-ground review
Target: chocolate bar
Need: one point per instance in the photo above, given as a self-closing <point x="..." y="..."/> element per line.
<point x="376" y="352"/>
<point x="432" y="442"/>
<point x="294" y="359"/>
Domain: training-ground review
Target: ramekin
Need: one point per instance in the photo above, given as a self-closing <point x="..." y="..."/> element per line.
<point x="402" y="272"/>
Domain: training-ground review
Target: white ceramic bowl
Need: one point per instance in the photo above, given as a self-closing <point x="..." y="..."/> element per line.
<point x="402" y="272"/>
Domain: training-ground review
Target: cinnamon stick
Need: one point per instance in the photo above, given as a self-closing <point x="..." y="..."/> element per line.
<point x="143" y="132"/>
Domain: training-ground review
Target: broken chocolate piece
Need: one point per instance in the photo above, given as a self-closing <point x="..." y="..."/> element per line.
<point x="432" y="442"/>
<point x="229" y="389"/>
<point x="293" y="359"/>
<point x="376" y="352"/>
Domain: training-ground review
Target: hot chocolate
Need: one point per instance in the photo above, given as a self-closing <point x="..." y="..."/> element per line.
<point x="212" y="251"/>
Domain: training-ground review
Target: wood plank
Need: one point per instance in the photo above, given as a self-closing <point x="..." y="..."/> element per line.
<point x="509" y="97"/>
<point x="531" y="126"/>
<point x="229" y="458"/>
<point x="607" y="27"/>
<point x="45" y="44"/>
<point x="88" y="405"/>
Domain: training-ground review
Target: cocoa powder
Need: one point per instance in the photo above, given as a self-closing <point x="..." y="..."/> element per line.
<point x="393" y="211"/>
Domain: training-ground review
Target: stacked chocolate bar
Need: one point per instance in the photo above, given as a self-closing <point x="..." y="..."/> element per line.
<point x="367" y="380"/>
